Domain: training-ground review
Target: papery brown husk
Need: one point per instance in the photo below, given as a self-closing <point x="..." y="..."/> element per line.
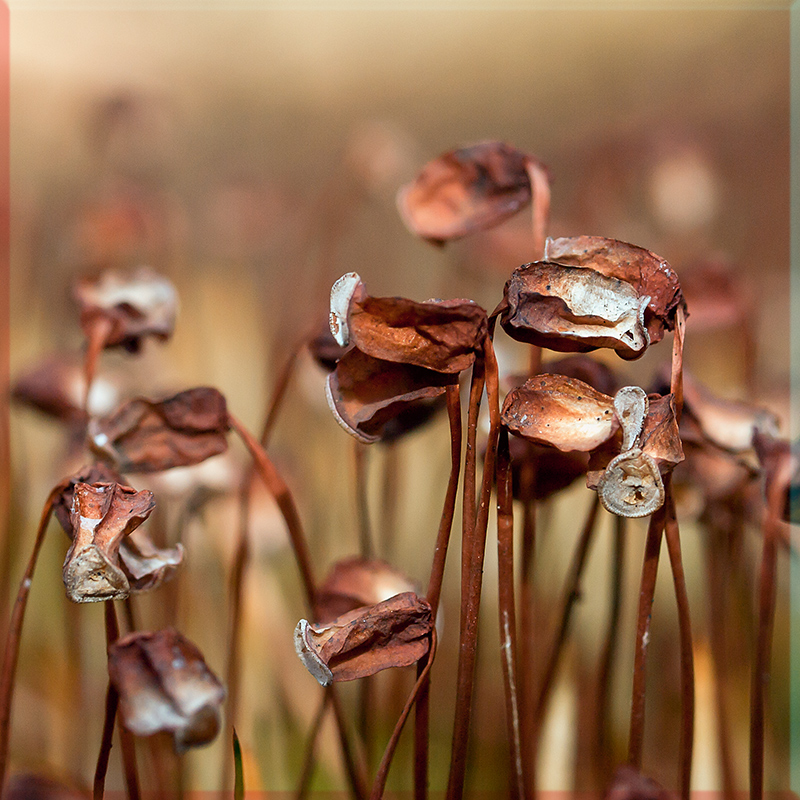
<point x="132" y="306"/>
<point x="103" y="514"/>
<point x="394" y="633"/>
<point x="356" y="582"/>
<point x="97" y="472"/>
<point x="164" y="684"/>
<point x="648" y="273"/>
<point x="560" y="412"/>
<point x="629" y="784"/>
<point x="441" y="335"/>
<point x="377" y="400"/>
<point x="466" y="190"/>
<point x="149" y="436"/>
<point x="573" y="309"/>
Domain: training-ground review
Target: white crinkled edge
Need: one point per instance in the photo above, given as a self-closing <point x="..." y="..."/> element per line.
<point x="341" y="293"/>
<point x="313" y="663"/>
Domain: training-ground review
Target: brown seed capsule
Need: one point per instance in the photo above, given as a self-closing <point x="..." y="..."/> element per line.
<point x="631" y="485"/>
<point x="149" y="436"/>
<point x="164" y="685"/>
<point x="103" y="514"/>
<point x="393" y="633"/>
<point x="130" y="306"/>
<point x="466" y="190"/>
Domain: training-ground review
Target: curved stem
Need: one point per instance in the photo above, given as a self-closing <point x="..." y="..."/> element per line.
<point x="379" y="783"/>
<point x="676" y="376"/>
<point x="475" y="542"/>
<point x="508" y="621"/>
<point x="672" y="536"/>
<point x="540" y="189"/>
<point x="15" y="633"/>
<point x="647" y="590"/>
<point x="95" y="343"/>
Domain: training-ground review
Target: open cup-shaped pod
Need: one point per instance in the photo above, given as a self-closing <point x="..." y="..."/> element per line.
<point x="375" y="400"/>
<point x="103" y="514"/>
<point x="440" y="335"/>
<point x="466" y="190"/>
<point x="393" y="633"/>
<point x="631" y="485"/>
<point x="148" y="436"/>
<point x="129" y="306"/>
<point x="164" y="685"/>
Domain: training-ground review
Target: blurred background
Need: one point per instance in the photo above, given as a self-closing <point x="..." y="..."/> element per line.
<point x="252" y="154"/>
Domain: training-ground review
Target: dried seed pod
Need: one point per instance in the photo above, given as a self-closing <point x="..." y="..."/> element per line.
<point x="650" y="275"/>
<point x="631" y="485"/>
<point x="149" y="436"/>
<point x="344" y="290"/>
<point x="466" y="190"/>
<point x="130" y="306"/>
<point x="573" y="309"/>
<point x="93" y="473"/>
<point x="393" y="633"/>
<point x="630" y="405"/>
<point x="103" y="514"/>
<point x="560" y="412"/>
<point x="164" y="685"/>
<point x="356" y="582"/>
<point x="660" y="438"/>
<point x="377" y="400"/>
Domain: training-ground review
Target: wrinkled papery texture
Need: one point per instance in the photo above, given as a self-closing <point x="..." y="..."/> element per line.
<point x="377" y="400"/>
<point x="165" y="685"/>
<point x="560" y="412"/>
<point x="356" y="582"/>
<point x="466" y="190"/>
<point x="728" y="423"/>
<point x="393" y="633"/>
<point x="145" y="566"/>
<point x="551" y="470"/>
<point x="649" y="274"/>
<point x="573" y="309"/>
<point x="134" y="305"/>
<point x="631" y="485"/>
<point x="28" y="786"/>
<point x="441" y="335"/>
<point x="629" y="784"/>
<point x="660" y="437"/>
<point x="149" y="436"/>
<point x="103" y="514"/>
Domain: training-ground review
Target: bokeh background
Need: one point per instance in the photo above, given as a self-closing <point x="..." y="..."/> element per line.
<point x="252" y="154"/>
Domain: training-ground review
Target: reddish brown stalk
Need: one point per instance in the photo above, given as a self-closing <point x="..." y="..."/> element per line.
<point x="571" y="594"/>
<point x="362" y="506"/>
<point x="422" y="712"/>
<point x="475" y="541"/>
<point x="672" y="535"/>
<point x="767" y="598"/>
<point x="279" y="393"/>
<point x="379" y="783"/>
<point x="286" y="505"/>
<point x="540" y="188"/>
<point x="126" y="741"/>
<point x="99" y="784"/>
<point x="15" y="634"/>
<point x="676" y="377"/>
<point x="391" y="472"/>
<point x="508" y="621"/>
<point x="355" y="772"/>
<point x="647" y="590"/>
<point x="95" y="343"/>
<point x="308" y="759"/>
<point x="604" y="760"/>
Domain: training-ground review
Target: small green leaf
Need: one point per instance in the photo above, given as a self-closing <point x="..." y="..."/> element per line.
<point x="238" y="781"/>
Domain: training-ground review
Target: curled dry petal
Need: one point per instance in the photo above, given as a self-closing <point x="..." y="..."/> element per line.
<point x="149" y="436"/>
<point x="165" y="685"/>
<point x="649" y="274"/>
<point x="356" y="582"/>
<point x="132" y="306"/>
<point x="630" y="406"/>
<point x="573" y="309"/>
<point x="631" y="485"/>
<point x="376" y="400"/>
<point x="560" y="412"/>
<point x="393" y="633"/>
<point x="466" y="190"/>
<point x="727" y="423"/>
<point x="103" y="514"/>
<point x="344" y="290"/>
<point x="660" y="438"/>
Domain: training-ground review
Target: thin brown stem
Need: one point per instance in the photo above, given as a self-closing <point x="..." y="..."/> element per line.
<point x="279" y="393"/>
<point x="95" y="343"/>
<point x="676" y="376"/>
<point x="362" y="505"/>
<point x="389" y="496"/>
<point x="99" y="784"/>
<point x="540" y="189"/>
<point x="15" y="633"/>
<point x="307" y="771"/>
<point x="355" y="771"/>
<point x="604" y="758"/>
<point x="379" y="783"/>
<point x="672" y="535"/>
<point x="571" y="595"/>
<point x="647" y="590"/>
<point x="508" y="621"/>
<point x="475" y="541"/>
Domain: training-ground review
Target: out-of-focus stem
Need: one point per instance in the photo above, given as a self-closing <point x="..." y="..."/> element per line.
<point x="308" y="759"/>
<point x="99" y="784"/>
<point x="540" y="190"/>
<point x="362" y="505"/>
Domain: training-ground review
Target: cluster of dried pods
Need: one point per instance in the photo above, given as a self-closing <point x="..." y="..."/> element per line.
<point x="393" y="363"/>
